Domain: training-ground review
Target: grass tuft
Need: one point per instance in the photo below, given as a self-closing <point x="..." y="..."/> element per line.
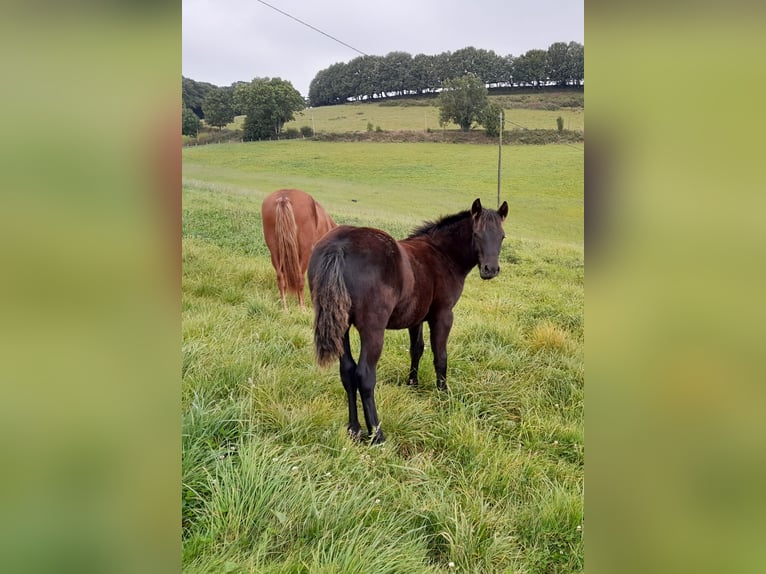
<point x="547" y="336"/>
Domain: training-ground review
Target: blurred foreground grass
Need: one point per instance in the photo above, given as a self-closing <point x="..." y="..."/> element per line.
<point x="674" y="235"/>
<point x="89" y="225"/>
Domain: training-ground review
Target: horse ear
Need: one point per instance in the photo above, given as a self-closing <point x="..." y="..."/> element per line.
<point x="503" y="211"/>
<point x="476" y="208"/>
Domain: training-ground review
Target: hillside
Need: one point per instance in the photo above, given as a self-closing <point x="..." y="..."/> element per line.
<point x="531" y="118"/>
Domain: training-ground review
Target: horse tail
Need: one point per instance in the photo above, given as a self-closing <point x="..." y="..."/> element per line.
<point x="332" y="304"/>
<point x="288" y="255"/>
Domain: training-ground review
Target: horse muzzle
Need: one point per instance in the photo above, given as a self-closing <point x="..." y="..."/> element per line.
<point x="488" y="271"/>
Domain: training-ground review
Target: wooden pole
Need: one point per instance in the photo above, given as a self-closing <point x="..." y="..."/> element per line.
<point x="500" y="155"/>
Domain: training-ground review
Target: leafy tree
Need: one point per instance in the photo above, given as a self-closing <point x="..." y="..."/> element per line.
<point x="576" y="59"/>
<point x="219" y="107"/>
<point x="366" y="78"/>
<point x="352" y="81"/>
<point x="465" y="61"/>
<point x="462" y="101"/>
<point x="557" y="63"/>
<point x="193" y="94"/>
<point x="190" y="123"/>
<point x="494" y="68"/>
<point x="422" y="74"/>
<point x="529" y="68"/>
<point x="470" y="60"/>
<point x="396" y="69"/>
<point x="445" y="68"/>
<point x="255" y="128"/>
<point x="268" y="105"/>
<point x="323" y="90"/>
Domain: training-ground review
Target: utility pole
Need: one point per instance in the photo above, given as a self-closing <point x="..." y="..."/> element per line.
<point x="500" y="154"/>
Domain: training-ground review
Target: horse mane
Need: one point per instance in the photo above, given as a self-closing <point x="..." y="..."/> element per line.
<point x="431" y="227"/>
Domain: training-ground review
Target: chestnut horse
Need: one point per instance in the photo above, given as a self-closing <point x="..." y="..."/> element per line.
<point x="361" y="276"/>
<point x="292" y="224"/>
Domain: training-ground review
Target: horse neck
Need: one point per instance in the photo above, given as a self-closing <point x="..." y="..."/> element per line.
<point x="455" y="243"/>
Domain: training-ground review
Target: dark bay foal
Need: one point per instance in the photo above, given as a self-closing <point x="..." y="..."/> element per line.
<point x="362" y="277"/>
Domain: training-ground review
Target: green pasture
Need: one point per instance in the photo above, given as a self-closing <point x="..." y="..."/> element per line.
<point x="528" y="111"/>
<point x="542" y="184"/>
<point x="356" y="117"/>
<point x="485" y="478"/>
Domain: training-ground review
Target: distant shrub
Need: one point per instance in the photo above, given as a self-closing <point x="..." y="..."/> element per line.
<point x="190" y="123"/>
<point x="291" y="133"/>
<point x="213" y="135"/>
<point x="560" y="123"/>
<point x="541" y="137"/>
<point x="405" y="103"/>
<point x="307" y="131"/>
<point x="572" y="103"/>
<point x="378" y="129"/>
<point x="490" y="118"/>
<point x="369" y="126"/>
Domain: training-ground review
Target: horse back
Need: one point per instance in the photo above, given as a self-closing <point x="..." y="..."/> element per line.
<point x="322" y="222"/>
<point x="312" y="221"/>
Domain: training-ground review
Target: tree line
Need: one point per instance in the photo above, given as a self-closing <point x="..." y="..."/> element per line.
<point x="268" y="103"/>
<point x="399" y="73"/>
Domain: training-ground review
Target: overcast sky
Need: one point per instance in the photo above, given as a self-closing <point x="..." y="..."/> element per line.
<point x="225" y="41"/>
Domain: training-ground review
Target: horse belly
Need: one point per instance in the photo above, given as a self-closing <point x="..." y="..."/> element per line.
<point x="414" y="295"/>
<point x="406" y="314"/>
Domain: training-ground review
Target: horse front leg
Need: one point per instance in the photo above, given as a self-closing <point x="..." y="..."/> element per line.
<point x="416" y="352"/>
<point x="439" y="328"/>
<point x="349" y="380"/>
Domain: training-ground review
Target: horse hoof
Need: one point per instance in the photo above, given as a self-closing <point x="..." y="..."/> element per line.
<point x="412" y="383"/>
<point x="355" y="435"/>
<point x="378" y="437"/>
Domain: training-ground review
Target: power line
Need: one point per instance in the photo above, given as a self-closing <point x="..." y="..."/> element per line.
<point x="310" y="26"/>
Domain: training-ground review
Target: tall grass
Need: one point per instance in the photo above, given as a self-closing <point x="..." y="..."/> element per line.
<point x="487" y="477"/>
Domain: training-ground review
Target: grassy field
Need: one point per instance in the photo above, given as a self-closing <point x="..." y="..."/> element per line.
<point x="530" y="111"/>
<point x="356" y="117"/>
<point x="487" y="478"/>
<point x="406" y="183"/>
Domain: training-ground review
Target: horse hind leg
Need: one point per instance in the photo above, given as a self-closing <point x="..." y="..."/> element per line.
<point x="282" y="284"/>
<point x="372" y="346"/>
<point x="348" y="378"/>
<point x="301" y="289"/>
